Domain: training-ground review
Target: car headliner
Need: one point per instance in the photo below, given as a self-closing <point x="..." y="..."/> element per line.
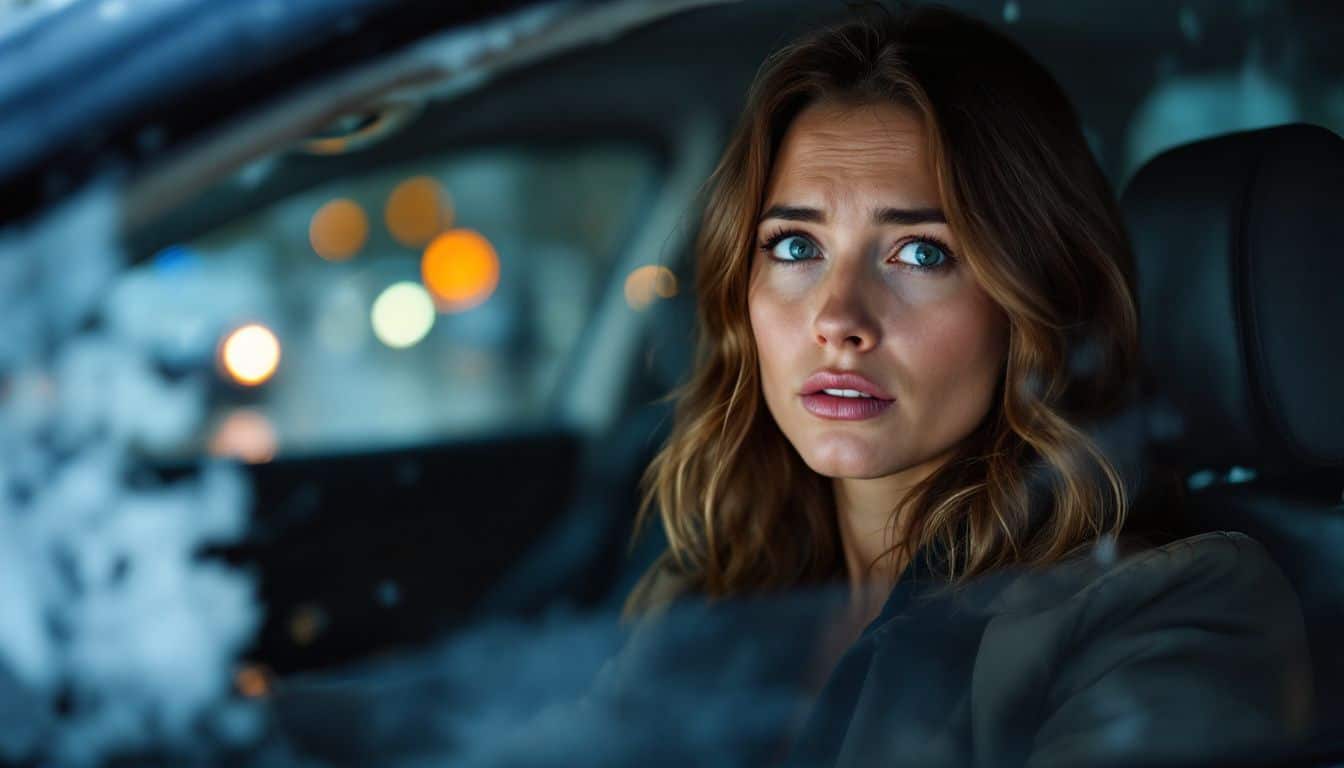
<point x="198" y="65"/>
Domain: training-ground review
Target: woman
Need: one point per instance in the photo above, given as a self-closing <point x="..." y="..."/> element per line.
<point x="915" y="294"/>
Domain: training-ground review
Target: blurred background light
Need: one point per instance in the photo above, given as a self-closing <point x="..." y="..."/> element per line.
<point x="175" y="260"/>
<point x="338" y="230"/>
<point x="250" y="354"/>
<point x="647" y="283"/>
<point x="245" y="434"/>
<point x="417" y="210"/>
<point x="1189" y="107"/>
<point x="402" y="315"/>
<point x="252" y="680"/>
<point x="306" y="622"/>
<point x="388" y="593"/>
<point x="460" y="267"/>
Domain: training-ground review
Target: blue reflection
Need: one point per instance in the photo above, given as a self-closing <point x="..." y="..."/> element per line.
<point x="175" y="260"/>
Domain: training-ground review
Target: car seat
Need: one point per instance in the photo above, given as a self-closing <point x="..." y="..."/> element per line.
<point x="1239" y="249"/>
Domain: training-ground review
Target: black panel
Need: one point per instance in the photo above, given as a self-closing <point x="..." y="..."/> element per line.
<point x="366" y="553"/>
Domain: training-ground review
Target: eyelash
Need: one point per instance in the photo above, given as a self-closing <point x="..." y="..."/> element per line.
<point x="779" y="236"/>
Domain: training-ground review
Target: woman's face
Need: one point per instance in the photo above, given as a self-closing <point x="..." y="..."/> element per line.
<point x="878" y="349"/>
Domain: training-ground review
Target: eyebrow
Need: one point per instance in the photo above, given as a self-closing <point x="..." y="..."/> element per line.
<point x="903" y="216"/>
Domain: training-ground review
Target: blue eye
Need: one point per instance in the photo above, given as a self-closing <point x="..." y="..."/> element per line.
<point x="792" y="248"/>
<point x="923" y="255"/>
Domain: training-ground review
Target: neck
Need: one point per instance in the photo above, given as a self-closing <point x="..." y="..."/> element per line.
<point x="868" y="530"/>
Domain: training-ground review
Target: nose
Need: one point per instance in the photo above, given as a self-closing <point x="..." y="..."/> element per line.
<point x="844" y="319"/>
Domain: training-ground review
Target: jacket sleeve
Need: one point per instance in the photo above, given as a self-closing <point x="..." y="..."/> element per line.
<point x="1185" y="651"/>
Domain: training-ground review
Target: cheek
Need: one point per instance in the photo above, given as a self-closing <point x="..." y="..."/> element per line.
<point x="775" y="325"/>
<point x="923" y="295"/>
<point x="960" y="350"/>
<point x="766" y="316"/>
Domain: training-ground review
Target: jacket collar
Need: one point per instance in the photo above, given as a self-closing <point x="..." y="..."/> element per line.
<point x="926" y="572"/>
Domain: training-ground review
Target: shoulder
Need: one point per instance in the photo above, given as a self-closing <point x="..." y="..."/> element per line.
<point x="1196" y="637"/>
<point x="1217" y="589"/>
<point x="1221" y="565"/>
<point x="1210" y="580"/>
<point x="1226" y="559"/>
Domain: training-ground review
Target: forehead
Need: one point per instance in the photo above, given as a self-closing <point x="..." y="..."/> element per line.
<point x="835" y="155"/>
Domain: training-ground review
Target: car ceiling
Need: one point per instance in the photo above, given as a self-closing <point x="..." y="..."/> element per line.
<point x="1107" y="56"/>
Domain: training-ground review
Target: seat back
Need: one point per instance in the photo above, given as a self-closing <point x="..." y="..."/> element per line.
<point x="1239" y="248"/>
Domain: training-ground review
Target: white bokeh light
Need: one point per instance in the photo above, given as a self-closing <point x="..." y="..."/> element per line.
<point x="402" y="315"/>
<point x="251" y="354"/>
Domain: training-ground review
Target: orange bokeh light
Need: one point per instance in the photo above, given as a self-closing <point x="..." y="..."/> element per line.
<point x="252" y="680"/>
<point x="245" y="434"/>
<point x="338" y="230"/>
<point x="461" y="269"/>
<point x="417" y="210"/>
<point x="644" y="284"/>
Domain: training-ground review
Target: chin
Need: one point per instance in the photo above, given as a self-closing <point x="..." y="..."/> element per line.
<point x="845" y="458"/>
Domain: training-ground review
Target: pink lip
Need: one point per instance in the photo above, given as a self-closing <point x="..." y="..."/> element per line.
<point x="842" y="380"/>
<point x="827" y="406"/>
<point x="844" y="408"/>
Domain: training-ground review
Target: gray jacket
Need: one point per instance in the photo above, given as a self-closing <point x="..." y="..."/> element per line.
<point x="1191" y="650"/>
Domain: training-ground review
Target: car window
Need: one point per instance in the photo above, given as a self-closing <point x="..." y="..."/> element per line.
<point x="409" y="304"/>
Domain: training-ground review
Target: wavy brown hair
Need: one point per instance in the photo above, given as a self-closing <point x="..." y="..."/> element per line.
<point x="1043" y="235"/>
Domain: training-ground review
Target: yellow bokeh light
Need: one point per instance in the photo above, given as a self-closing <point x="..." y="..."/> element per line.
<point x="461" y="269"/>
<point x="402" y="315"/>
<point x="417" y="210"/>
<point x="644" y="284"/>
<point x="338" y="230"/>
<point x="245" y="434"/>
<point x="250" y="354"/>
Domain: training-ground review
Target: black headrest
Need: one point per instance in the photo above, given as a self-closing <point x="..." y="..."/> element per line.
<point x="1239" y="244"/>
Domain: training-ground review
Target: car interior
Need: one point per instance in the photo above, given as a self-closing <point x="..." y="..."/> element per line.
<point x="1241" y="353"/>
<point x="1236" y="244"/>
